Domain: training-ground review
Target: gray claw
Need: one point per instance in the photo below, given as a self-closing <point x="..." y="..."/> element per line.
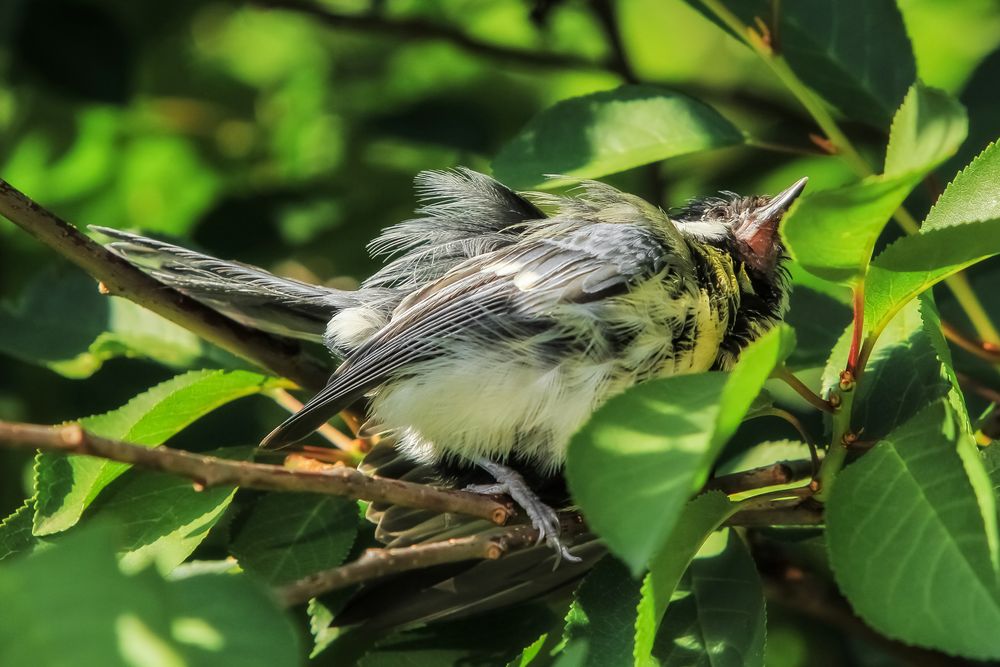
<point x="543" y="518"/>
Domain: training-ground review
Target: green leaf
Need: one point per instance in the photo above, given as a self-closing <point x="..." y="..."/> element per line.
<point x="701" y="517"/>
<point x="971" y="195"/>
<point x="15" y="531"/>
<point x="927" y="130"/>
<point x="653" y="446"/>
<point x="288" y="536"/>
<point x="65" y="486"/>
<point x="489" y="639"/>
<point x="603" y="614"/>
<point x="163" y="518"/>
<point x="817" y="320"/>
<point x="905" y="532"/>
<point x="110" y="619"/>
<point x="832" y="233"/>
<point x="820" y="42"/>
<point x="34" y="329"/>
<point x="914" y="264"/>
<point x="717" y="615"/>
<point x="611" y="131"/>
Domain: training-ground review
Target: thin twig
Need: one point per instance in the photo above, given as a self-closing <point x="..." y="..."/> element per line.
<point x="420" y="29"/>
<point x="209" y="471"/>
<point x="376" y="563"/>
<point x="973" y="347"/>
<point x="280" y="356"/>
<point x="785" y="375"/>
<point x="782" y="472"/>
<point x="604" y="10"/>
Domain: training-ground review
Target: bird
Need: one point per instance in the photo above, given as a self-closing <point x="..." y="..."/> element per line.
<point x="501" y="320"/>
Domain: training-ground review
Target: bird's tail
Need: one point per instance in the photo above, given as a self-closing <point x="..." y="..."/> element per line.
<point x="456" y="590"/>
<point x="242" y="292"/>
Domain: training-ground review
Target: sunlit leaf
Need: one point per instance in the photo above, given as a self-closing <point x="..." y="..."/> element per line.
<point x="653" y="446"/>
<point x="915" y="263"/>
<point x="972" y="195"/>
<point x="611" y="131"/>
<point x="832" y="233"/>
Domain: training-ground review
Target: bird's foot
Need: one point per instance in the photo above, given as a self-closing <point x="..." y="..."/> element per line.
<point x="543" y="518"/>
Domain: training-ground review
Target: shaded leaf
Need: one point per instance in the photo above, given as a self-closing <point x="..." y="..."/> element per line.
<point x="163" y="518"/>
<point x="611" y="131"/>
<point x="700" y="518"/>
<point x="820" y="42"/>
<point x="288" y="536"/>
<point x="653" y="446"/>
<point x="603" y="614"/>
<point x="922" y="544"/>
<point x="65" y="486"/>
<point x="108" y="618"/>
<point x="34" y="329"/>
<point x="15" y="531"/>
<point x="717" y="615"/>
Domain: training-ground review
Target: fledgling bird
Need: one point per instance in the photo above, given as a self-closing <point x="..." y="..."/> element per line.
<point x="502" y="320"/>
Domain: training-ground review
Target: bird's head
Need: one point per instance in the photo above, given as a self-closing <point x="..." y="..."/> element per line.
<point x="746" y="227"/>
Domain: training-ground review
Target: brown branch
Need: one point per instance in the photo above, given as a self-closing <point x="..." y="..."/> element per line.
<point x="783" y="472"/>
<point x="420" y="29"/>
<point x="375" y="563"/>
<point x="976" y="348"/>
<point x="280" y="356"/>
<point x="208" y="471"/>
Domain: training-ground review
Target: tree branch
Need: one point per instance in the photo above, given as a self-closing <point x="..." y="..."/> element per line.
<point x="278" y="355"/>
<point x="419" y="29"/>
<point x="208" y="471"/>
<point x="782" y="472"/>
<point x="375" y="563"/>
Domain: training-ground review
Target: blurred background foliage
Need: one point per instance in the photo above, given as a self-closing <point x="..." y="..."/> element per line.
<point x="286" y="134"/>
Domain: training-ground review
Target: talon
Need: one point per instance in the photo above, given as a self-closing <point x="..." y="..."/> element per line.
<point x="543" y="518"/>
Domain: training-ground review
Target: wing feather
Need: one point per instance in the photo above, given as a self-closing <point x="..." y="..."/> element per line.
<point x="503" y="295"/>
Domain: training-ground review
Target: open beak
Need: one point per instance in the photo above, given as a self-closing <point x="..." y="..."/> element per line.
<point x="760" y="231"/>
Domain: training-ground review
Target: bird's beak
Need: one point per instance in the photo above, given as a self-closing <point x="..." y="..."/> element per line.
<point x="760" y="230"/>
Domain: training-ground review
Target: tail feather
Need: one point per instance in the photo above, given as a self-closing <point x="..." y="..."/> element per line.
<point x="242" y="292"/>
<point x="454" y="590"/>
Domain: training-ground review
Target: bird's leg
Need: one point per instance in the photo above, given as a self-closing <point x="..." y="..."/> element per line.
<point x="543" y="517"/>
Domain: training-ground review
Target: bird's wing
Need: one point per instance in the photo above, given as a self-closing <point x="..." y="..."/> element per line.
<point x="499" y="296"/>
<point x="463" y="214"/>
